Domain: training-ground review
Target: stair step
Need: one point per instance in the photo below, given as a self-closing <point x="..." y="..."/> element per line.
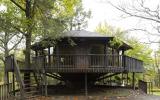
<point x="32" y="97"/>
<point x="28" y="76"/>
<point x="30" y="80"/>
<point x="32" y="92"/>
<point x="29" y="93"/>
<point x="30" y="87"/>
<point x="29" y="84"/>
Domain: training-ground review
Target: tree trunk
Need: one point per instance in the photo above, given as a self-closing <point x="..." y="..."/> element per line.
<point x="27" y="60"/>
<point x="28" y="51"/>
<point x="28" y="34"/>
<point x="6" y="74"/>
<point x="6" y="53"/>
<point x="28" y="42"/>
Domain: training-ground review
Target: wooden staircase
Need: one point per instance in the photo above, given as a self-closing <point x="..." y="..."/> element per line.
<point x="29" y="88"/>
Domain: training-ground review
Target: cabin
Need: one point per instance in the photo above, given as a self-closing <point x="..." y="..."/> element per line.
<point x="81" y="52"/>
<point x="80" y="58"/>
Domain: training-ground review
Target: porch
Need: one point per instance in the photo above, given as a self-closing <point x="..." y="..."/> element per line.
<point x="90" y="63"/>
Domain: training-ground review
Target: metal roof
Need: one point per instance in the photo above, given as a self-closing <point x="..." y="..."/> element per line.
<point x="83" y="33"/>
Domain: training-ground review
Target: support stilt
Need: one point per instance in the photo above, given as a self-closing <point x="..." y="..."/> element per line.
<point x="6" y="77"/>
<point x="122" y="78"/>
<point x="86" y="88"/>
<point x="46" y="92"/>
<point x="127" y="79"/>
<point x="133" y="80"/>
<point x="44" y="89"/>
<point x="13" y="82"/>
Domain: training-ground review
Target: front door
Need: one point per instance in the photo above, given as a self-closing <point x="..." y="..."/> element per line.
<point x="82" y="58"/>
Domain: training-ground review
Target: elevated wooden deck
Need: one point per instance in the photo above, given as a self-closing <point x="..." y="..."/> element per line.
<point x="74" y="70"/>
<point x="93" y="63"/>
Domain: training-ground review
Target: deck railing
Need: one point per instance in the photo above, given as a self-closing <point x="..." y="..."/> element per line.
<point x="89" y="61"/>
<point x="83" y="62"/>
<point x="86" y="61"/>
<point x="133" y="65"/>
<point x="5" y="91"/>
<point x="146" y="87"/>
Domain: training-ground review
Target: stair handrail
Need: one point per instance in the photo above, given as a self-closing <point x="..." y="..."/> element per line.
<point x="18" y="76"/>
<point x="40" y="70"/>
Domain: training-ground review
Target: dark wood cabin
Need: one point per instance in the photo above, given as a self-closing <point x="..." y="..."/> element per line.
<point x="81" y="52"/>
<point x="78" y="58"/>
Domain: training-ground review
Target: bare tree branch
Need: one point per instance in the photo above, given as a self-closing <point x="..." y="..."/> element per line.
<point x="134" y="14"/>
<point x="11" y="36"/>
<point x="16" y="44"/>
<point x="1" y="49"/>
<point x="2" y="58"/>
<point x="18" y="29"/>
<point x="18" y="5"/>
<point x="144" y="30"/>
<point x="2" y="40"/>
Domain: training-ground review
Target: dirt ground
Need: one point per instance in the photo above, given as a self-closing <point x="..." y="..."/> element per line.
<point x="131" y="95"/>
<point x="139" y="97"/>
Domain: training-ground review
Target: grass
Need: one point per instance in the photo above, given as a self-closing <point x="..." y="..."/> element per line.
<point x="1" y="83"/>
<point x="156" y="91"/>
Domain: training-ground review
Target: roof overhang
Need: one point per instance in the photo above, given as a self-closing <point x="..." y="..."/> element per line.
<point x="77" y="34"/>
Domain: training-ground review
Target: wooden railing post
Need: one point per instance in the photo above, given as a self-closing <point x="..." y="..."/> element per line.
<point x="94" y="62"/>
<point x="145" y="86"/>
<point x="18" y="78"/>
<point x="5" y="92"/>
<point x="1" y="93"/>
<point x="124" y="61"/>
<point x="45" y="77"/>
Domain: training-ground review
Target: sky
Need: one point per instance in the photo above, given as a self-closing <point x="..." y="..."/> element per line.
<point x="102" y="11"/>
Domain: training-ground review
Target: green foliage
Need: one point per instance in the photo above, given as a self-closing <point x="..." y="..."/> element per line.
<point x="118" y="34"/>
<point x="37" y="19"/>
<point x="9" y="36"/>
<point x="80" y="17"/>
<point x="106" y="29"/>
<point x="140" y="51"/>
<point x="115" y="43"/>
<point x="49" y="18"/>
<point x="117" y="78"/>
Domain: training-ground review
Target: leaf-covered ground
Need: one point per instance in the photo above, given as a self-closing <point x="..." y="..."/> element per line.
<point x="110" y="94"/>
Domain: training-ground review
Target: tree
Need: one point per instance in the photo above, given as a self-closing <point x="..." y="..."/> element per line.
<point x="80" y="18"/>
<point x="9" y="37"/>
<point x="108" y="30"/>
<point x="139" y="51"/>
<point x="157" y="67"/>
<point x="36" y="15"/>
<point x="41" y="18"/>
<point x="142" y="9"/>
<point x="104" y="28"/>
